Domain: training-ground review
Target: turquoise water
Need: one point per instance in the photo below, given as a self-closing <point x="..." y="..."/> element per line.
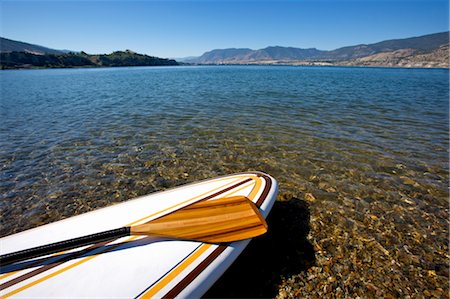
<point x="358" y="142"/>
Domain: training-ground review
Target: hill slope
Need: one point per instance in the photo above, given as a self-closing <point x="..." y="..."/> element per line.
<point x="13" y="60"/>
<point x="421" y="43"/>
<point x="221" y="56"/>
<point x="8" y="45"/>
<point x="437" y="58"/>
<point x="409" y="46"/>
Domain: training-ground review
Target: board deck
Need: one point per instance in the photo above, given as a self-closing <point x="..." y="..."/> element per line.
<point x="137" y="266"/>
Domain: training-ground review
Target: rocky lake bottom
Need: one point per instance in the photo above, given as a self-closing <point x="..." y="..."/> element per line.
<point x="361" y="156"/>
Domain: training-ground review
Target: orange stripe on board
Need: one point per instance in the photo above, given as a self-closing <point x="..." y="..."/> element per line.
<point x="256" y="189"/>
<point x="175" y="291"/>
<point x="9" y="274"/>
<point x="174" y="273"/>
<point x="130" y="239"/>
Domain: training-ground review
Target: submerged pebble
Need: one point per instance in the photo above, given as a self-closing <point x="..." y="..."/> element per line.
<point x="368" y="172"/>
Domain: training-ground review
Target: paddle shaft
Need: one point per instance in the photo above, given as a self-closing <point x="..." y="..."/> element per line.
<point x="64" y="245"/>
<point x="222" y="220"/>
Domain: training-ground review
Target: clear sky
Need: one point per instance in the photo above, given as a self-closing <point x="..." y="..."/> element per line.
<point x="190" y="28"/>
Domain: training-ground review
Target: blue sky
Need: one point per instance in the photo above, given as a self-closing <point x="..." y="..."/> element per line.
<point x="189" y="28"/>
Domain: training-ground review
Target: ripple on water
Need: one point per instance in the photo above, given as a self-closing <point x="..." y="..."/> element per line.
<point x="366" y="150"/>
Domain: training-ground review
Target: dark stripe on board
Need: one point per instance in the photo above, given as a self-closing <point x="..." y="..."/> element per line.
<point x="194" y="273"/>
<point x="266" y="190"/>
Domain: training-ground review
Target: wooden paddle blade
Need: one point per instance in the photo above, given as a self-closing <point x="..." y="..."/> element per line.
<point x="215" y="221"/>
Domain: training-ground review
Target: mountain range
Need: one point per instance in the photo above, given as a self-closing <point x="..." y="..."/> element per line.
<point x="423" y="51"/>
<point x="430" y="50"/>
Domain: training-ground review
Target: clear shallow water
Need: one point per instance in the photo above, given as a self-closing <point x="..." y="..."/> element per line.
<point x="356" y="143"/>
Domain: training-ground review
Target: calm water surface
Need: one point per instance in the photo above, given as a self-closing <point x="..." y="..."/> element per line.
<point x="362" y="142"/>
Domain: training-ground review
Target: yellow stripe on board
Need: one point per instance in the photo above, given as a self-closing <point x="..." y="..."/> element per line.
<point x="165" y="281"/>
<point x="9" y="274"/>
<point x="169" y="277"/>
<point x="130" y="239"/>
<point x="255" y="189"/>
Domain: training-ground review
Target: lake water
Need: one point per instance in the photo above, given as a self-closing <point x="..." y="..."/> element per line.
<point x="368" y="145"/>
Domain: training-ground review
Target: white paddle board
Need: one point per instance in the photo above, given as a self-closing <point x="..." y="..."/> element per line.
<point x="131" y="267"/>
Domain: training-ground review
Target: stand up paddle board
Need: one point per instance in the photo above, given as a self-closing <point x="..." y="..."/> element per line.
<point x="133" y="266"/>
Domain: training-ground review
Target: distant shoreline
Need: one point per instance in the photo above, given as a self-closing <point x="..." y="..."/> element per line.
<point x="27" y="60"/>
<point x="323" y="65"/>
<point x="81" y="67"/>
<point x="225" y="65"/>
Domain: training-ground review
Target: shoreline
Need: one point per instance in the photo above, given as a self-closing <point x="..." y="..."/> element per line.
<point x="320" y="64"/>
<point x="231" y="64"/>
<point x="84" y="67"/>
